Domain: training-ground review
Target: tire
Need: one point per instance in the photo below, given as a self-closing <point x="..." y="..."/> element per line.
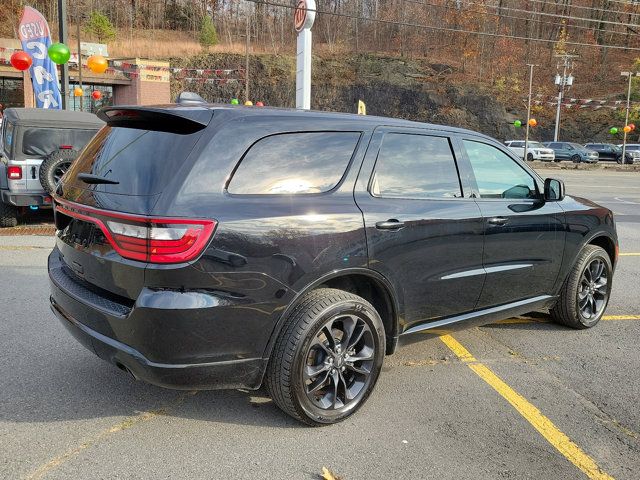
<point x="575" y="159"/>
<point x="568" y="310"/>
<point x="530" y="157"/>
<point x="54" y="166"/>
<point x="304" y="344"/>
<point x="8" y="215"/>
<point x="557" y="160"/>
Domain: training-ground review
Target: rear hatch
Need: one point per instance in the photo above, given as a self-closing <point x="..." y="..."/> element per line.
<point x="105" y="235"/>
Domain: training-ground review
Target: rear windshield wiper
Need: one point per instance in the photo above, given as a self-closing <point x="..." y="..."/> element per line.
<point x="96" y="179"/>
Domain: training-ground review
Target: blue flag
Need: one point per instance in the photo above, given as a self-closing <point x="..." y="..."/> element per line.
<point x="36" y="38"/>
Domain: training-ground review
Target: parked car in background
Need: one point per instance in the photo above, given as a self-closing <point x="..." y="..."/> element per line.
<point x="572" y="151"/>
<point x="611" y="152"/>
<point x="202" y="247"/>
<point x="37" y="146"/>
<point x="634" y="148"/>
<point x="536" y="150"/>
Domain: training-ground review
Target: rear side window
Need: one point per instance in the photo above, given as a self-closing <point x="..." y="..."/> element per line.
<point x="43" y="141"/>
<point x="294" y="163"/>
<point x="415" y="166"/>
<point x="517" y="144"/>
<point x="142" y="161"/>
<point x="8" y="137"/>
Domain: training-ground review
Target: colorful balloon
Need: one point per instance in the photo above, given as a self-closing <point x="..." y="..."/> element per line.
<point x="59" y="53"/>
<point x="97" y="64"/>
<point x="96" y="94"/>
<point x="77" y="92"/>
<point x="234" y="101"/>
<point x="259" y="104"/>
<point x="21" y="60"/>
<point x="613" y="130"/>
<point x="632" y="126"/>
<point x="626" y="129"/>
<point x="533" y="122"/>
<point x="248" y="103"/>
<point x="517" y="124"/>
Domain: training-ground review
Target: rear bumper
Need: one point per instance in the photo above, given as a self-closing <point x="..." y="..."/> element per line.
<point x="155" y="345"/>
<point x="26" y="199"/>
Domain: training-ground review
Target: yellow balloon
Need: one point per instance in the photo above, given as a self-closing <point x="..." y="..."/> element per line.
<point x="627" y="129"/>
<point x="77" y="92"/>
<point x="533" y="122"/>
<point x="248" y="103"/>
<point x="97" y="64"/>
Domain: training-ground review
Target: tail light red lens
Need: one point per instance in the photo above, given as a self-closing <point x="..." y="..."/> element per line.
<point x="148" y="239"/>
<point x="14" y="173"/>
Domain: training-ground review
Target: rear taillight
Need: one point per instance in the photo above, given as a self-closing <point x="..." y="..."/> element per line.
<point x="14" y="173"/>
<point x="66" y="147"/>
<point x="148" y="239"/>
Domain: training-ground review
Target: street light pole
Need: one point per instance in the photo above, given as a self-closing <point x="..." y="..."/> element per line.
<point x="79" y="63"/>
<point x="246" y="61"/>
<point x="626" y="117"/>
<point x="62" y="38"/>
<point x="526" y="135"/>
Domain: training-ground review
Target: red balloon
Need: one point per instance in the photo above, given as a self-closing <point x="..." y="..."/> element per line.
<point x="21" y="60"/>
<point x="632" y="126"/>
<point x="96" y="94"/>
<point x="259" y="104"/>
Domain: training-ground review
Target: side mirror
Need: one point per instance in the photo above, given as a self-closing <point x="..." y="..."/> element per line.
<point x="553" y="190"/>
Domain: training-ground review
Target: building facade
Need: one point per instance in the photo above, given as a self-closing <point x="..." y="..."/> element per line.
<point x="127" y="81"/>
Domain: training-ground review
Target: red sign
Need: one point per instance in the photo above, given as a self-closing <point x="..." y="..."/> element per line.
<point x="300" y="15"/>
<point x="32" y="25"/>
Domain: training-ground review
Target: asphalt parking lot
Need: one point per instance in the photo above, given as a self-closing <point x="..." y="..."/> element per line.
<point x="518" y="399"/>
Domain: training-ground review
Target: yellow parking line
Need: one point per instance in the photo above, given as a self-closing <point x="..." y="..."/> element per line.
<point x="621" y="317"/>
<point x="629" y="254"/>
<point x="542" y="424"/>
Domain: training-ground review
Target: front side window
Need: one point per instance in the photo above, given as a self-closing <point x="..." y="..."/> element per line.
<point x="294" y="163"/>
<point x="415" y="166"/>
<point x="497" y="175"/>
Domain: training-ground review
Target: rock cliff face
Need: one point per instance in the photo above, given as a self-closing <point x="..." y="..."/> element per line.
<point x="394" y="87"/>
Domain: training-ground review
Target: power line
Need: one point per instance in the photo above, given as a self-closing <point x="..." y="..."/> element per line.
<point x="582" y="7"/>
<point x="557" y="15"/>
<point x="526" y="19"/>
<point x="446" y="29"/>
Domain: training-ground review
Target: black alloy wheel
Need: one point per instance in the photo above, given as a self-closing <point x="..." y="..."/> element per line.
<point x="593" y="291"/>
<point x="327" y="358"/>
<point x="575" y="158"/>
<point x="585" y="293"/>
<point x="339" y="363"/>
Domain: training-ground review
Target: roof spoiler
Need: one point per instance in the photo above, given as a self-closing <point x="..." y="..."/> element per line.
<point x="183" y="120"/>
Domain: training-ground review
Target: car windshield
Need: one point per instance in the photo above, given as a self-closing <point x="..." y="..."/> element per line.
<point x="577" y="146"/>
<point x="536" y="145"/>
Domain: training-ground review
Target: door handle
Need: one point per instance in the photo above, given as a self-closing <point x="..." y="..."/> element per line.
<point x="499" y="221"/>
<point x="391" y="224"/>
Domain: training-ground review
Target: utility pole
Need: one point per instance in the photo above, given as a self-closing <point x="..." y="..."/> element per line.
<point x="562" y="81"/>
<point x="246" y="60"/>
<point x="79" y="62"/>
<point x="526" y="135"/>
<point x="62" y="38"/>
<point x="626" y="117"/>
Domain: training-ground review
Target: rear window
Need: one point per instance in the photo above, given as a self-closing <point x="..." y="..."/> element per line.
<point x="142" y="161"/>
<point x="43" y="141"/>
<point x="294" y="163"/>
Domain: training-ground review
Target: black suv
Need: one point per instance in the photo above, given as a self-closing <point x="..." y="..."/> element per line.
<point x="609" y="151"/>
<point x="203" y="247"/>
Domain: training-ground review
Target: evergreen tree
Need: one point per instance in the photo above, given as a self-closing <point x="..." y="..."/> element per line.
<point x="208" y="34"/>
<point x="100" y="26"/>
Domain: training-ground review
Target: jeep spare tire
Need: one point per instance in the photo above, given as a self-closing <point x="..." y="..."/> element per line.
<point x="54" y="166"/>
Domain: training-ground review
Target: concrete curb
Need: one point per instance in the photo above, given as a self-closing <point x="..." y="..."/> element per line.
<point x="566" y="165"/>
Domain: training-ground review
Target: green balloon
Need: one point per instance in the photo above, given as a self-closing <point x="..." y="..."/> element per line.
<point x="234" y="101"/>
<point x="613" y="130"/>
<point x="517" y="124"/>
<point x="59" y="53"/>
